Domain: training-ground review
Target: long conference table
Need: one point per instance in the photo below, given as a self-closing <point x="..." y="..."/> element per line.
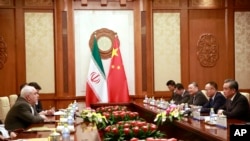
<point x="183" y="130"/>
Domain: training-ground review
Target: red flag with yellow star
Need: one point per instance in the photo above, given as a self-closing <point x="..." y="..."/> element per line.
<point x="117" y="81"/>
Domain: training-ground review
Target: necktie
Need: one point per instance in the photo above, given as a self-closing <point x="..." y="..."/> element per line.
<point x="211" y="102"/>
<point x="193" y="99"/>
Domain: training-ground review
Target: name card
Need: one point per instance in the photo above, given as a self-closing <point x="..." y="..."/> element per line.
<point x="196" y="115"/>
<point x="222" y="121"/>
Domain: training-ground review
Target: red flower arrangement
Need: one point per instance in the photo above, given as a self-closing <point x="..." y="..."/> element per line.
<point x="115" y="114"/>
<point x="111" y="108"/>
<point x="126" y="130"/>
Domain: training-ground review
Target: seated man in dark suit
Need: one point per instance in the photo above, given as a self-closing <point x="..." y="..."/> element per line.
<point x="236" y="105"/>
<point x="38" y="105"/>
<point x="171" y="86"/>
<point x="22" y="114"/>
<point x="216" y="99"/>
<point x="184" y="95"/>
<point x="197" y="97"/>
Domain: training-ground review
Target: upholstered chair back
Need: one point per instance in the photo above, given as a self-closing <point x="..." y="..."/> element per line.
<point x="4" y="107"/>
<point x="12" y="98"/>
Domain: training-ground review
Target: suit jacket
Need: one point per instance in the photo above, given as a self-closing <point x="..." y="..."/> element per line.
<point x="175" y="97"/>
<point x="184" y="98"/>
<point x="39" y="106"/>
<point x="20" y="115"/>
<point x="215" y="103"/>
<point x="198" y="99"/>
<point x="238" y="108"/>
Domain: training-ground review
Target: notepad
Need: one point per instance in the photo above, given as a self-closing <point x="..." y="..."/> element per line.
<point x="37" y="139"/>
<point x="40" y="129"/>
<point x="32" y="139"/>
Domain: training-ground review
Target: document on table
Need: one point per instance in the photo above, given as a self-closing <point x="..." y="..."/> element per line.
<point x="32" y="139"/>
<point x="40" y="129"/>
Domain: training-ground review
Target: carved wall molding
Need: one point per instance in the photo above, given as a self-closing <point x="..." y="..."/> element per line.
<point x="38" y="3"/>
<point x="207" y="50"/>
<point x="206" y="3"/>
<point x="105" y="2"/>
<point x="5" y="2"/>
<point x="3" y="52"/>
<point x="242" y="3"/>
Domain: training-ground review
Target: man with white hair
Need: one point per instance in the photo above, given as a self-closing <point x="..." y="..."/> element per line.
<point x="22" y="114"/>
<point x="197" y="97"/>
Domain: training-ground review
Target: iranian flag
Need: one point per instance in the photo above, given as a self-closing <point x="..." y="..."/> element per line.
<point x="117" y="81"/>
<point x="96" y="87"/>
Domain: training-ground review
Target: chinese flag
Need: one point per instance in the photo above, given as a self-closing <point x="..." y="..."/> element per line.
<point x="117" y="81"/>
<point x="96" y="87"/>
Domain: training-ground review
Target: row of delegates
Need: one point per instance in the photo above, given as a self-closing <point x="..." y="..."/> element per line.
<point x="236" y="106"/>
<point x="216" y="98"/>
<point x="22" y="114"/>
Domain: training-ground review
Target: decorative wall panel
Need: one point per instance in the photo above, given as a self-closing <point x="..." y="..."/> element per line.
<point x="242" y="49"/>
<point x="39" y="45"/>
<point x="242" y="3"/>
<point x="206" y="3"/>
<point x="207" y="50"/>
<point x="5" y="2"/>
<point x="3" y="52"/>
<point x="167" y="63"/>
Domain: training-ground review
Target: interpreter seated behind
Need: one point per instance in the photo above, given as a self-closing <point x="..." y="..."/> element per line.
<point x="236" y="105"/>
<point x="216" y="99"/>
<point x="22" y="114"/>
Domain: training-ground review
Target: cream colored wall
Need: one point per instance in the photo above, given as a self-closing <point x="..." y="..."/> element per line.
<point x="39" y="45"/>
<point x="242" y="49"/>
<point x="167" y="63"/>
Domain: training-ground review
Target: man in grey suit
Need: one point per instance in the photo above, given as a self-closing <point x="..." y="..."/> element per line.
<point x="22" y="114"/>
<point x="236" y="105"/>
<point x="197" y="97"/>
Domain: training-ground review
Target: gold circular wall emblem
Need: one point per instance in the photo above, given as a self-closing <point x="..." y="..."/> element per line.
<point x="104" y="39"/>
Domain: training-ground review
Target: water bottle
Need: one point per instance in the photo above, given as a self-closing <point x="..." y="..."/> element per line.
<point x="211" y="114"/>
<point x="186" y="107"/>
<point x="70" y="120"/>
<point x="65" y="133"/>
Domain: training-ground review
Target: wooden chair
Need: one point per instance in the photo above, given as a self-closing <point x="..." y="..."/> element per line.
<point x="4" y="107"/>
<point x="12" y="98"/>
